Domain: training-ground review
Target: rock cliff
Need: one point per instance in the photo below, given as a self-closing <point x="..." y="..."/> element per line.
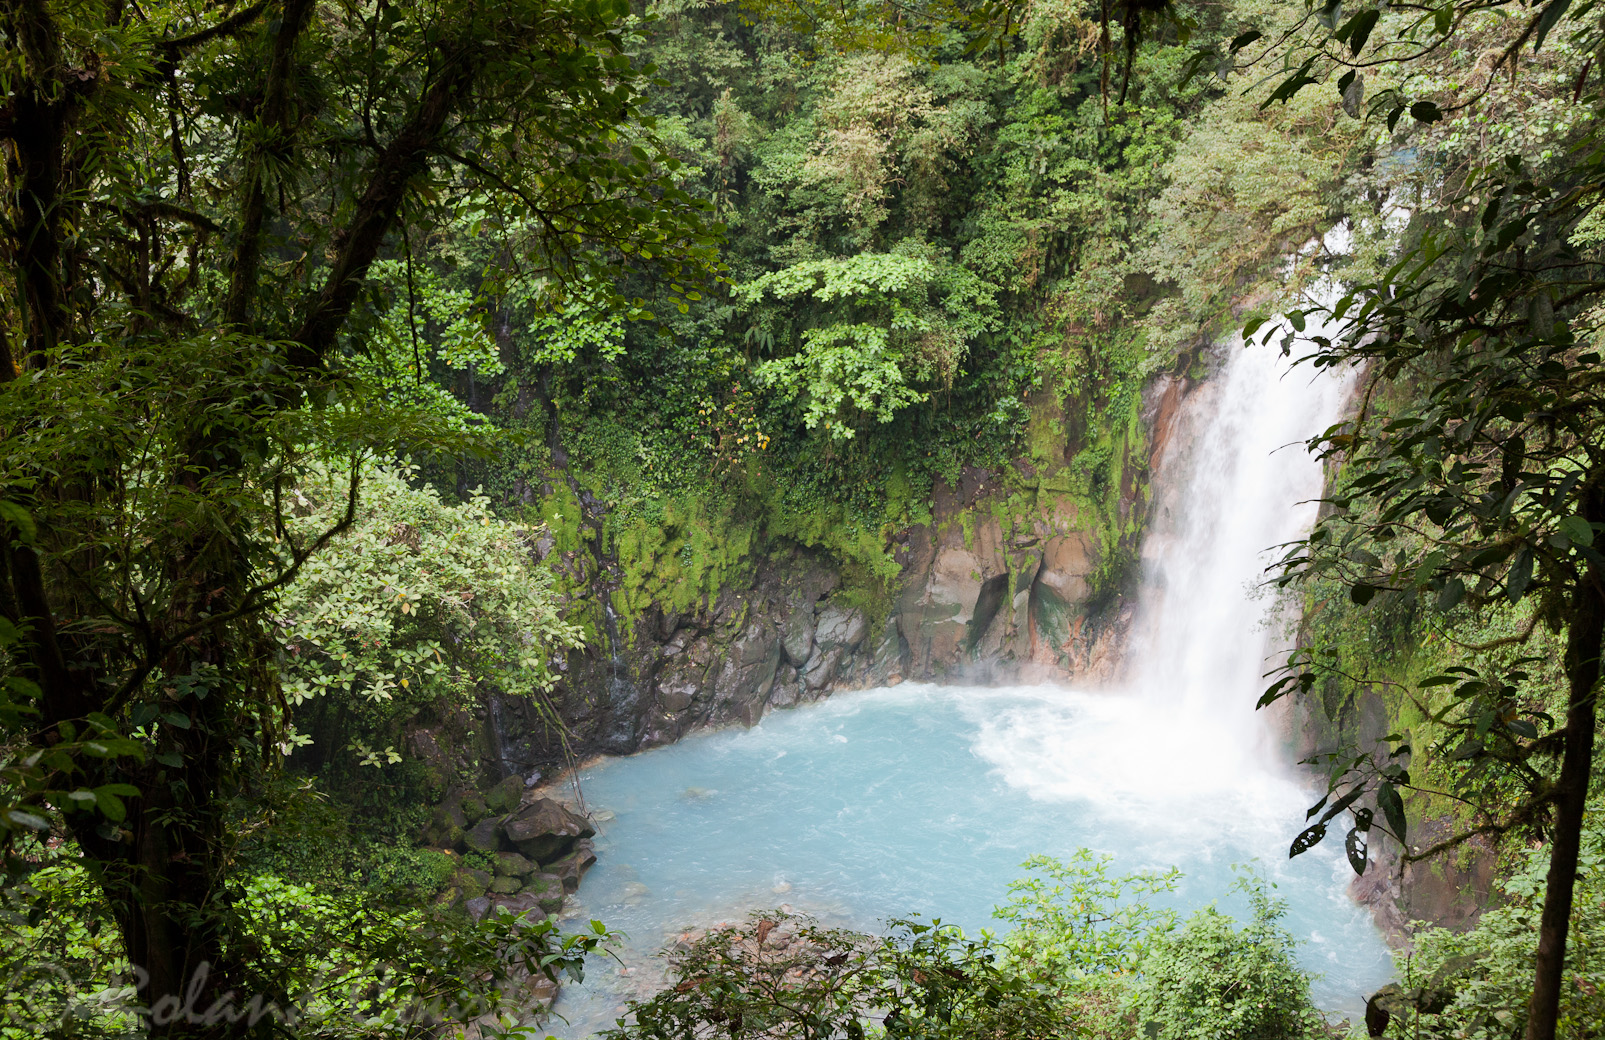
<point x="1018" y="576"/>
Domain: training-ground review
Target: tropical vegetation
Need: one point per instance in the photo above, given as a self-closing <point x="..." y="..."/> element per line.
<point x="328" y="329"/>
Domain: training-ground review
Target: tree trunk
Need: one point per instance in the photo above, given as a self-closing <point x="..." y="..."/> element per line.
<point x="1587" y="623"/>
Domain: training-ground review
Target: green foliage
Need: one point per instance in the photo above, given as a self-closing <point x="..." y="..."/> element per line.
<point x="887" y="334"/>
<point x="197" y="314"/>
<point x="417" y="605"/>
<point x="1087" y="957"/>
<point x="921" y="236"/>
<point x="1474" y="985"/>
<point x="784" y="976"/>
<point x="1076" y="929"/>
<point x="1476" y="467"/>
<point x="1211" y="979"/>
<point x="350" y="965"/>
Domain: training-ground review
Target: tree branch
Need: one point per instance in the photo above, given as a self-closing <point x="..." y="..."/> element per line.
<point x="392" y="173"/>
<point x="176" y="48"/>
<point x="273" y="120"/>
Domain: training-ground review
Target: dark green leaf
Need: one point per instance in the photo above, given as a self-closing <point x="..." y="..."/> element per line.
<point x="1308" y="838"/>
<point x="1354" y="847"/>
<point x="1546" y="21"/>
<point x="1578" y="530"/>
<point x="1358" y="29"/>
<point x="1521" y="574"/>
<point x="1425" y="112"/>
<point x="20" y="521"/>
<point x="1242" y="40"/>
<point x="1392" y="807"/>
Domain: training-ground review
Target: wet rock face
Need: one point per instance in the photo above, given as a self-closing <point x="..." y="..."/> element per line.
<point x="979" y="602"/>
<point x="1002" y="585"/>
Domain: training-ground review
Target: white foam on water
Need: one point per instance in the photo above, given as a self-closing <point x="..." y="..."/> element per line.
<point x="926" y="799"/>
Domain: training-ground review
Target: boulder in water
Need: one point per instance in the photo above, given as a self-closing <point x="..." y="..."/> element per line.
<point x="545" y="830"/>
<point x="573" y="866"/>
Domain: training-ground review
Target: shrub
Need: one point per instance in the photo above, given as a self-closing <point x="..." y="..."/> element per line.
<point x="1209" y="980"/>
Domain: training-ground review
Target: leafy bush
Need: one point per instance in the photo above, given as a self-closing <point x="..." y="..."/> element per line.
<point x="1209" y="979"/>
<point x="1088" y="957"/>
<point x="413" y="608"/>
<point x="330" y="964"/>
<point x="1476" y="985"/>
<point x="1076" y="929"/>
<point x="783" y="976"/>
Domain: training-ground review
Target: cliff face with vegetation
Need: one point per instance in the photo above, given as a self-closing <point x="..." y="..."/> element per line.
<point x="402" y="400"/>
<point x="1015" y="576"/>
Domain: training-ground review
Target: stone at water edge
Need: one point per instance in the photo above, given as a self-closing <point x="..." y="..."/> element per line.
<point x="505" y="796"/>
<point x="511" y="864"/>
<point x="484" y="836"/>
<point x="573" y="866"/>
<point x="541" y="990"/>
<point x="544" y="830"/>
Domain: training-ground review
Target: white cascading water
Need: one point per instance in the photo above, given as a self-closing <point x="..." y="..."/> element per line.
<point x="927" y="799"/>
<point x="1249" y="488"/>
<point x="1236" y="483"/>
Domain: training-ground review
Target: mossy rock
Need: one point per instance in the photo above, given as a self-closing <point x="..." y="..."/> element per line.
<point x="505" y="796"/>
<point x="505" y="886"/>
<point x="446" y="827"/>
<point x="511" y="864"/>
<point x="544" y="830"/>
<point x="572" y="867"/>
<point x="471" y="883"/>
<point x="484" y="836"/>
<point x="547" y="890"/>
<point x="473" y="807"/>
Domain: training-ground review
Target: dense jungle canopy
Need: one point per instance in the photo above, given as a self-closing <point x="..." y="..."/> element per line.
<point x="317" y="317"/>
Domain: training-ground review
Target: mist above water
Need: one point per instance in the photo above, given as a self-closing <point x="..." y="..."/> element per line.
<point x="926" y="799"/>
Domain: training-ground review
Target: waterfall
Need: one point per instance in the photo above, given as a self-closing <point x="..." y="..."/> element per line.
<point x="1238" y="484"/>
<point x="927" y="798"/>
<point x="1178" y="741"/>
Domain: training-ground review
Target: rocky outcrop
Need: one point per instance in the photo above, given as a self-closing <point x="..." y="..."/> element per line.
<point x="1016" y="577"/>
<point x="1009" y="596"/>
<point x="1450" y="890"/>
<point x="537" y="852"/>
